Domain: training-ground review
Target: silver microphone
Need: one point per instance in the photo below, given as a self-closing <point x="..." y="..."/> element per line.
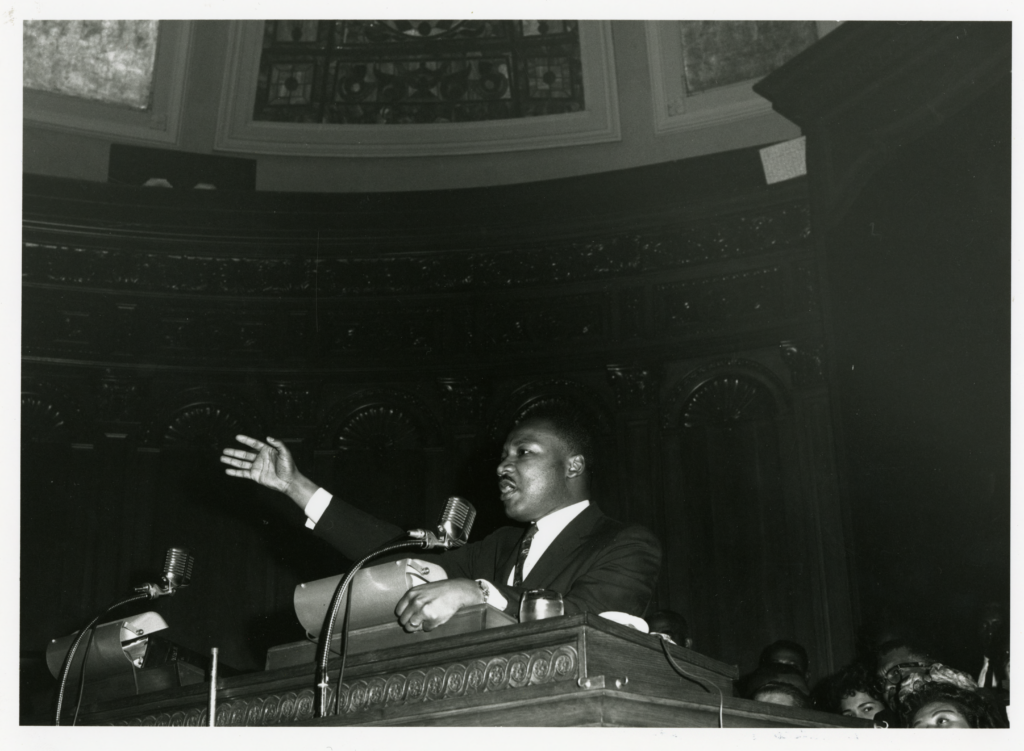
<point x="452" y="528"/>
<point x="177" y="573"/>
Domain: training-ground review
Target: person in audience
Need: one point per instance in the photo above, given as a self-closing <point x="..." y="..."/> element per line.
<point x="907" y="670"/>
<point x="943" y="706"/>
<point x="672" y="627"/>
<point x="784" y="652"/>
<point x="992" y="620"/>
<point x="897" y="660"/>
<point x="784" y="694"/>
<point x="1001" y="656"/>
<point x="854" y="691"/>
<point x="774" y="673"/>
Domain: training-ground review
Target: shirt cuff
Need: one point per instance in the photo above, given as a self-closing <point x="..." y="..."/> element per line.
<point x="316" y="506"/>
<point x="492" y="595"/>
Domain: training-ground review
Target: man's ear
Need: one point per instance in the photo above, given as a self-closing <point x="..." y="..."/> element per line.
<point x="577" y="464"/>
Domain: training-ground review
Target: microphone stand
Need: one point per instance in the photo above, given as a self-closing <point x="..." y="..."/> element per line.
<point x="323" y="650"/>
<point x="70" y="656"/>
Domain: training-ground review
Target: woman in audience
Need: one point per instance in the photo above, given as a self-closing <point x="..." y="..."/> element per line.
<point x="943" y="706"/>
<point x="854" y="692"/>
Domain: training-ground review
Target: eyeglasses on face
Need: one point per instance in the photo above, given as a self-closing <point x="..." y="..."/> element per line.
<point x="894" y="674"/>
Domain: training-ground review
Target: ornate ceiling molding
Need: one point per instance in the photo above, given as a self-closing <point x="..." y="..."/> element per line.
<point x="237" y="132"/>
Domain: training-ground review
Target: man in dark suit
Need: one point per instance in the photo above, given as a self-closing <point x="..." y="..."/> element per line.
<point x="596" y="563"/>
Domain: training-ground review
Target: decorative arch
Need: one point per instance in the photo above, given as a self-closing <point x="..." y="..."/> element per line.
<point x="203" y="418"/>
<point x="49" y="414"/>
<point x="379" y="446"/>
<point x="378" y="419"/>
<point x="729" y="453"/>
<point x="739" y="391"/>
<point x="534" y="395"/>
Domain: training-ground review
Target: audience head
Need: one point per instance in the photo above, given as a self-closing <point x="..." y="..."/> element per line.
<point x="783" y="694"/>
<point x="783" y="652"/>
<point x="992" y="618"/>
<point x="855" y="691"/>
<point x="774" y="673"/>
<point x="1000" y="656"/>
<point x="672" y="626"/>
<point x="895" y="661"/>
<point x="943" y="706"/>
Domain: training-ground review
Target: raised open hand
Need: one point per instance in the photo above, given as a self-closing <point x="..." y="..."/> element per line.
<point x="271" y="465"/>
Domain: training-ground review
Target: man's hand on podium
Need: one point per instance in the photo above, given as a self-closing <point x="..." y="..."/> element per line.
<point x="429" y="605"/>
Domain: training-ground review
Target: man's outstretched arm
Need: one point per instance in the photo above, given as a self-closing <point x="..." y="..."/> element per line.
<point x="352" y="531"/>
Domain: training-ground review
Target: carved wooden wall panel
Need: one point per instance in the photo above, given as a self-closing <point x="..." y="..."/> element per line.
<point x="394" y="377"/>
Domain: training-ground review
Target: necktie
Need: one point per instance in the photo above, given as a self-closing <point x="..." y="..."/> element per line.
<point x="524" y="550"/>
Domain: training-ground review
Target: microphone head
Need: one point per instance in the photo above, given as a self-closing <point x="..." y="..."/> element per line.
<point x="456" y="521"/>
<point x="178" y="567"/>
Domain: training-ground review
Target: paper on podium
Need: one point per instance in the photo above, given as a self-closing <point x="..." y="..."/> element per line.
<point x="375" y="592"/>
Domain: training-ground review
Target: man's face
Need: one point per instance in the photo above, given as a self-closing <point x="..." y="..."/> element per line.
<point x="897" y="665"/>
<point x="534" y="471"/>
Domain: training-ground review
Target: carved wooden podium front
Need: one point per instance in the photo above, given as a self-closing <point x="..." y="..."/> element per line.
<point x="568" y="671"/>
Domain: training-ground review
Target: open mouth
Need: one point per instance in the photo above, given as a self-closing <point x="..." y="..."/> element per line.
<point x="506" y="486"/>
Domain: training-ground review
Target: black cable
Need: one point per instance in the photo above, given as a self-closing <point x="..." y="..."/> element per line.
<point x="695" y="679"/>
<point x="323" y="652"/>
<point x="70" y="656"/>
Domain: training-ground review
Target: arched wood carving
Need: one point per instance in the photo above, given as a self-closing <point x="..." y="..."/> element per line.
<point x="677" y="400"/>
<point x="378" y="426"/>
<point x="378" y="418"/>
<point x="202" y="418"/>
<point x="559" y="392"/>
<point x="42" y="421"/>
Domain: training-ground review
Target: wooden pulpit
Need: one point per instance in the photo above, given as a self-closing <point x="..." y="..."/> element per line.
<point x="568" y="671"/>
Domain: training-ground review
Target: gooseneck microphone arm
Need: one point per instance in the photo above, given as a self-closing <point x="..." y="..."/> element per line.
<point x="453" y="531"/>
<point x="177" y="573"/>
<point x="323" y="649"/>
<point x="70" y="656"/>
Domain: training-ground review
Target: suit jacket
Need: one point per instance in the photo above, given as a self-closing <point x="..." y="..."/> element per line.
<point x="596" y="563"/>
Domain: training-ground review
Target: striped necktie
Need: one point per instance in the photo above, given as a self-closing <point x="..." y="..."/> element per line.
<point x="524" y="551"/>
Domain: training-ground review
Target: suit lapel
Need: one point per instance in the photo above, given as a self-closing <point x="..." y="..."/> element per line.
<point x="564" y="548"/>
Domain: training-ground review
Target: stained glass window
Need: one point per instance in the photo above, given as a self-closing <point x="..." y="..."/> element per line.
<point x="109" y="61"/>
<point x="384" y="72"/>
<point x="719" y="53"/>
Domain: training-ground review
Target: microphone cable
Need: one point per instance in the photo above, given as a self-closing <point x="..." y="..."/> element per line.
<point x="323" y="651"/>
<point x="693" y="678"/>
<point x="344" y="650"/>
<point x="81" y="681"/>
<point x="70" y="656"/>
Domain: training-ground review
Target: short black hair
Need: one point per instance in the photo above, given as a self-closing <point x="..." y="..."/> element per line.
<point x="570" y="424"/>
<point x="799" y="697"/>
<point x="891" y="646"/>
<point x="792" y="646"/>
<point x="856" y="677"/>
<point x="774" y="672"/>
<point x="975" y="707"/>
